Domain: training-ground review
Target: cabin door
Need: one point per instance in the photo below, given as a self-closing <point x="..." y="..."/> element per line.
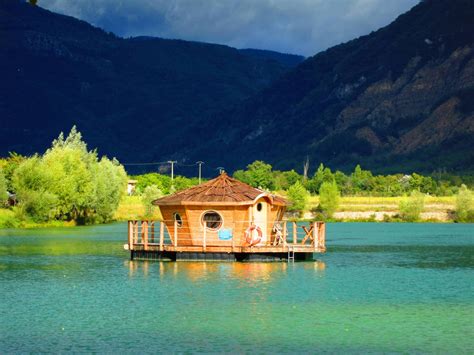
<point x="260" y="217"/>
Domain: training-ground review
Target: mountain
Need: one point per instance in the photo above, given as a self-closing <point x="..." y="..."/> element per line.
<point x="137" y="99"/>
<point x="288" y="60"/>
<point x="398" y="99"/>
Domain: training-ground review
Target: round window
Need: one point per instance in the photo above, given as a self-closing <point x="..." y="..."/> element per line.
<point x="259" y="206"/>
<point x="212" y="220"/>
<point x="177" y="218"/>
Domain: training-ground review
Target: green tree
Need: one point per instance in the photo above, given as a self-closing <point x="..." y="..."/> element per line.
<point x="464" y="205"/>
<point x="329" y="197"/>
<point x="69" y="183"/>
<point x="3" y="189"/>
<point x="259" y="174"/>
<point x="323" y="174"/>
<point x="411" y="207"/>
<point x="298" y="197"/>
<point x="150" y="194"/>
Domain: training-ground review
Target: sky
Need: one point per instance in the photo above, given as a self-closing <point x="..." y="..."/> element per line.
<point x="303" y="27"/>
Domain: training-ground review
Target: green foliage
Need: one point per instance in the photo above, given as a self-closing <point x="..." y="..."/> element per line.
<point x="282" y="180"/>
<point x="298" y="197"/>
<point x="258" y="174"/>
<point x="329" y="198"/>
<point x="464" y="205"/>
<point x="320" y="176"/>
<point x="163" y="182"/>
<point x="411" y="207"/>
<point x="3" y="189"/>
<point x="69" y="183"/>
<point x="150" y="194"/>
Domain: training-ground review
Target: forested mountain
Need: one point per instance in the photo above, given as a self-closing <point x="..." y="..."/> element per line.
<point x="135" y="99"/>
<point x="398" y="99"/>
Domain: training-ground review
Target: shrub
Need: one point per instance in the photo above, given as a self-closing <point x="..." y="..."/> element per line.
<point x="298" y="197"/>
<point x="150" y="194"/>
<point x="464" y="205"/>
<point x="329" y="197"/>
<point x="411" y="207"/>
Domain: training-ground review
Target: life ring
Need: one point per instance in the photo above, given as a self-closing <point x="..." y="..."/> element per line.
<point x="249" y="237"/>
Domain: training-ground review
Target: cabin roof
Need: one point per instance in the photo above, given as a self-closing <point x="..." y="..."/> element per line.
<point x="223" y="190"/>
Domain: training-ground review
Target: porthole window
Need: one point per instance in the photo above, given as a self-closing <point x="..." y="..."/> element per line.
<point x="259" y="206"/>
<point x="177" y="218"/>
<point x="212" y="220"/>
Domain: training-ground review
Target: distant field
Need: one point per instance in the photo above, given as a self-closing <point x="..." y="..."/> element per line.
<point x="389" y="204"/>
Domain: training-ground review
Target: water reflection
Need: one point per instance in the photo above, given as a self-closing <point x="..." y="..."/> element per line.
<point x="251" y="273"/>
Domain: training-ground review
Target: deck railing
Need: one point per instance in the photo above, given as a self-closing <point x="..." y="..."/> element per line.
<point x="284" y="234"/>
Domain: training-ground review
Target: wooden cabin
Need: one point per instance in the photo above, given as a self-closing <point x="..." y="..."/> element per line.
<point x="223" y="209"/>
<point x="227" y="218"/>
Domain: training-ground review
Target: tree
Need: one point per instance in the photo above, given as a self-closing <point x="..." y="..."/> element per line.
<point x="329" y="197"/>
<point x="259" y="174"/>
<point x="3" y="189"/>
<point x="464" y="205"/>
<point x="411" y="207"/>
<point x="69" y="183"/>
<point x="150" y="194"/>
<point x="323" y="174"/>
<point x="298" y="197"/>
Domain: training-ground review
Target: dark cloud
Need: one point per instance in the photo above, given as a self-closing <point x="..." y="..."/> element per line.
<point x="293" y="26"/>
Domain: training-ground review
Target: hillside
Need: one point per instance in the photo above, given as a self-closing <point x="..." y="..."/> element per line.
<point x="398" y="99"/>
<point x="135" y="99"/>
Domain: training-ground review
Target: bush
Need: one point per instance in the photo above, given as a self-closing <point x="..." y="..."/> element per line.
<point x="150" y="194"/>
<point x="411" y="207"/>
<point x="464" y="205"/>
<point x="329" y="197"/>
<point x="298" y="197"/>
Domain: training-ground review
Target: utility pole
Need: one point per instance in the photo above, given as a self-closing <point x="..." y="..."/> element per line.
<point x="199" y="163"/>
<point x="221" y="169"/>
<point x="172" y="162"/>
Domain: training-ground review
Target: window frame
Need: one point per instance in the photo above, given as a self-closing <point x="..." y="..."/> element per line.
<point x="204" y="225"/>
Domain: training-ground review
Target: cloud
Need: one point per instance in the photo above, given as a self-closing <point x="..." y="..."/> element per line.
<point x="292" y="26"/>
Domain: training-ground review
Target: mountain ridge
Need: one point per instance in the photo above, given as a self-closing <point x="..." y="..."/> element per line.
<point x="397" y="99"/>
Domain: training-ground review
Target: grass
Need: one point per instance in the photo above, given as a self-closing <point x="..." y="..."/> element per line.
<point x="131" y="207"/>
<point x="376" y="204"/>
<point x="8" y="219"/>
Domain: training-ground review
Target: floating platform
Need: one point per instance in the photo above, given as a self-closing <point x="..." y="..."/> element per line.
<point x="150" y="240"/>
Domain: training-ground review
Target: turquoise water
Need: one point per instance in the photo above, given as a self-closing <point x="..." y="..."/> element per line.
<point x="380" y="288"/>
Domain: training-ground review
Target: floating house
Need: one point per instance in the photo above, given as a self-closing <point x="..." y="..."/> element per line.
<point x="223" y="219"/>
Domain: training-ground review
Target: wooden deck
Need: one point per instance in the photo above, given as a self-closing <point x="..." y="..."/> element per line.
<point x="150" y="240"/>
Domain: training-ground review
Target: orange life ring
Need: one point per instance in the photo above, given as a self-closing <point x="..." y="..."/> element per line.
<point x="249" y="237"/>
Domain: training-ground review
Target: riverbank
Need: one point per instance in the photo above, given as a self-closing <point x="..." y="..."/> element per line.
<point x="351" y="209"/>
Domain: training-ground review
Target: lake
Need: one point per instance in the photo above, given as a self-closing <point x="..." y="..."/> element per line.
<point x="379" y="288"/>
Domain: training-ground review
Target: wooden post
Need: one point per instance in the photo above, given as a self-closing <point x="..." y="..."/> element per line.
<point x="322" y="237"/>
<point x="204" y="235"/>
<point x="295" y="233"/>
<point x="162" y="235"/>
<point x="145" y="234"/>
<point x="285" y="233"/>
<point x="135" y="231"/>
<point x="175" y="232"/>
<point x="152" y="231"/>
<point x="130" y="235"/>
<point x="315" y="235"/>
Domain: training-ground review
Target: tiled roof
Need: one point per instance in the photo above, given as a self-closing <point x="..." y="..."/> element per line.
<point x="222" y="190"/>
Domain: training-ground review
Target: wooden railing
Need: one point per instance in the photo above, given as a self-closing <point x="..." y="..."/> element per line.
<point x="147" y="233"/>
